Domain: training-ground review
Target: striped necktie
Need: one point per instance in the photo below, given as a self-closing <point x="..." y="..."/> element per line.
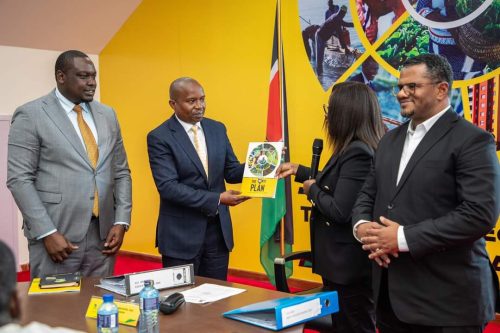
<point x="201" y="152"/>
<point x="92" y="150"/>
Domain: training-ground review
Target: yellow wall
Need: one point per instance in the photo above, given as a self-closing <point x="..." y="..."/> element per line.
<point x="226" y="45"/>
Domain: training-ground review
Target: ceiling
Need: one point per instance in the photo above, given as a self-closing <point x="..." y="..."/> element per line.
<point x="62" y="24"/>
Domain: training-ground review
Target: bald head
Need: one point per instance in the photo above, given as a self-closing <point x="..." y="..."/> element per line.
<point x="178" y="85"/>
<point x="187" y="99"/>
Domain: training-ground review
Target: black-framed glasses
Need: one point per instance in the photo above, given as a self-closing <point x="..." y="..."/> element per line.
<point x="325" y="109"/>
<point x="409" y="88"/>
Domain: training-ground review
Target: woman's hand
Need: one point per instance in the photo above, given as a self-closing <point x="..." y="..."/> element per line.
<point x="286" y="169"/>
<point x="307" y="185"/>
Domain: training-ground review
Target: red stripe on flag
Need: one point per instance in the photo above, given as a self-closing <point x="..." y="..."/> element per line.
<point x="274" y="130"/>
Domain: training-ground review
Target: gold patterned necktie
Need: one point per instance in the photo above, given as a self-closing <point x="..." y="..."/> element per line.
<point x="92" y="150"/>
<point x="199" y="150"/>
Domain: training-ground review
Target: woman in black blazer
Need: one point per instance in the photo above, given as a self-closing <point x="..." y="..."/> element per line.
<point x="354" y="127"/>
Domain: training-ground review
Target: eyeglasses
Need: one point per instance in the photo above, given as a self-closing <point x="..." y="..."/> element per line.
<point x="409" y="88"/>
<point x="325" y="109"/>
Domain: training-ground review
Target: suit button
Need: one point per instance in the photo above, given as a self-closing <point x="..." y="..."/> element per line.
<point x="327" y="223"/>
<point x="390" y="206"/>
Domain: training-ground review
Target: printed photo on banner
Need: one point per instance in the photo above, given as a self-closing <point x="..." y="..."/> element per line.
<point x="330" y="40"/>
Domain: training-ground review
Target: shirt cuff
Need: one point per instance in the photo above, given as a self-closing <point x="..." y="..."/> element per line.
<point x="402" y="244"/>
<point x="125" y="225"/>
<point x="355" y="229"/>
<point x="46" y="234"/>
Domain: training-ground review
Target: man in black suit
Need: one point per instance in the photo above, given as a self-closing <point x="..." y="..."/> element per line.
<point x="431" y="197"/>
<point x="369" y="70"/>
<point x="190" y="157"/>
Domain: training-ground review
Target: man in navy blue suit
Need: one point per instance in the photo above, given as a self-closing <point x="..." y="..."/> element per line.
<point x="369" y="70"/>
<point x="190" y="157"/>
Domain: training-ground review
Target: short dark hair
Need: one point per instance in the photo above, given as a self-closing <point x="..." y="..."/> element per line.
<point x="8" y="279"/>
<point x="353" y="114"/>
<point x="65" y="58"/>
<point x="438" y="66"/>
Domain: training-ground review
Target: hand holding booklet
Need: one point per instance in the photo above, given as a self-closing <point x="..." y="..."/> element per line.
<point x="263" y="158"/>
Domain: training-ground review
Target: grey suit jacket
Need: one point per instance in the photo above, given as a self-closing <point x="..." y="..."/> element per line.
<point x="50" y="174"/>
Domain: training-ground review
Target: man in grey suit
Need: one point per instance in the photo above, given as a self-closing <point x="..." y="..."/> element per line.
<point x="69" y="175"/>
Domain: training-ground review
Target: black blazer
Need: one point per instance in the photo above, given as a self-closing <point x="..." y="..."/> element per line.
<point x="337" y="256"/>
<point x="447" y="200"/>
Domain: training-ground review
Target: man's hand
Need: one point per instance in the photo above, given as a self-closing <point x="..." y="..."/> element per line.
<point x="114" y="239"/>
<point x="382" y="241"/>
<point x="286" y="169"/>
<point x="58" y="247"/>
<point x="365" y="229"/>
<point x="232" y="198"/>
<point x="307" y="185"/>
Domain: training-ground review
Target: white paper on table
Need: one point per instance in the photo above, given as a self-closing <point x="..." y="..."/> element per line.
<point x="209" y="292"/>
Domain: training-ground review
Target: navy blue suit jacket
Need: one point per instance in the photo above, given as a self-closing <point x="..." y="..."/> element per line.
<point x="188" y="198"/>
<point x="358" y="78"/>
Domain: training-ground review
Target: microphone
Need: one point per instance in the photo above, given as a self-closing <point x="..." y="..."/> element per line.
<point x="317" y="148"/>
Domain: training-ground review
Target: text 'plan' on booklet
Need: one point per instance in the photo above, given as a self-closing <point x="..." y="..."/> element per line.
<point x="263" y="158"/>
<point x="60" y="280"/>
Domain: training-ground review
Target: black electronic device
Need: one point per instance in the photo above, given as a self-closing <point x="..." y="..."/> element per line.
<point x="317" y="148"/>
<point x="171" y="303"/>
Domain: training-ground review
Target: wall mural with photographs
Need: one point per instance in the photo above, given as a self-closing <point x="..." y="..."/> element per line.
<point x="368" y="40"/>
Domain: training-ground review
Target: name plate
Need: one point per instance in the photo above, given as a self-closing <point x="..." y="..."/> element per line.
<point x="128" y="313"/>
<point x="131" y="284"/>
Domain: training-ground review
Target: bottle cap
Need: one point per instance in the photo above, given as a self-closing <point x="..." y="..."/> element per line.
<point x="107" y="298"/>
<point x="148" y="283"/>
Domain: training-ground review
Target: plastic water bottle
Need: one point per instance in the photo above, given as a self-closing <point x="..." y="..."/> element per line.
<point x="107" y="315"/>
<point x="150" y="303"/>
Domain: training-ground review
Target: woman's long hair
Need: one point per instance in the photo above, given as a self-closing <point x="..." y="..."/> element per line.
<point x="353" y="114"/>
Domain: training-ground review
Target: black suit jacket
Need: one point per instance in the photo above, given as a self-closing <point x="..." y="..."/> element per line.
<point x="337" y="256"/>
<point x="188" y="198"/>
<point x="358" y="78"/>
<point x="447" y="200"/>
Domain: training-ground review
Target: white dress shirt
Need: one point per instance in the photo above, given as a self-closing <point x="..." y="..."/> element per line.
<point x="68" y="106"/>
<point x="201" y="135"/>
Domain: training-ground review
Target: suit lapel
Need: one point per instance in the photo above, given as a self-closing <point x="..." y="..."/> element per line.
<point x="100" y="125"/>
<point x="57" y="114"/>
<point x="440" y="128"/>
<point x="185" y="143"/>
<point x="332" y="162"/>
<point x="211" y="143"/>
<point x="397" y="153"/>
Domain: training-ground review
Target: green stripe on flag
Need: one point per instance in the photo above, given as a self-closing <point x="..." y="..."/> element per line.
<point x="273" y="210"/>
